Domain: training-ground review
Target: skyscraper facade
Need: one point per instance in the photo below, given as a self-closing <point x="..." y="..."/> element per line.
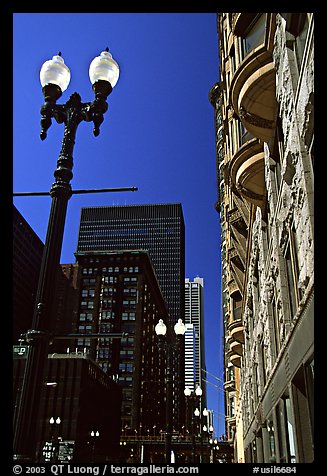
<point x="119" y="293"/>
<point x="194" y="316"/>
<point x="190" y="373"/>
<point x="264" y="124"/>
<point x="155" y="228"/>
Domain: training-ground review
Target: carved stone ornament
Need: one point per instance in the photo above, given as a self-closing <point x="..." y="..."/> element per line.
<point x="255" y="120"/>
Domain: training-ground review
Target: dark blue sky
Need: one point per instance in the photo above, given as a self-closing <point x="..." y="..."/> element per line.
<point x="157" y="135"/>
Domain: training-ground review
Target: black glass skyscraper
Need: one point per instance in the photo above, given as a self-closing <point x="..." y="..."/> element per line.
<point x="155" y="228"/>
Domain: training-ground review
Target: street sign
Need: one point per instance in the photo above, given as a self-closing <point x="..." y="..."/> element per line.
<point x="20" y="350"/>
<point x="66" y="450"/>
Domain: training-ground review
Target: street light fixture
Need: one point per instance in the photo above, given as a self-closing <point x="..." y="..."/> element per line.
<point x="198" y="391"/>
<point x="194" y="398"/>
<point x="169" y="345"/>
<point x="94" y="435"/>
<point x="54" y="78"/>
<point x="54" y="439"/>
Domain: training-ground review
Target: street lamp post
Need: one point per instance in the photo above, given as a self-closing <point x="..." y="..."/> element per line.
<point x="54" y="438"/>
<point x="194" y="397"/>
<point x="55" y="77"/>
<point x="94" y="435"/>
<point x="169" y="345"/>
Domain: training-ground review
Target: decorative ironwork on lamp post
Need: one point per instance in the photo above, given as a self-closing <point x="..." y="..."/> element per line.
<point x="55" y="77"/>
<point x="169" y="344"/>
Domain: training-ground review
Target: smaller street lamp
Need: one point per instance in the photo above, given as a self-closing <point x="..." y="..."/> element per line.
<point x="194" y="397"/>
<point x="169" y="345"/>
<point x="94" y="434"/>
<point x="161" y="328"/>
<point x="54" y="440"/>
<point x="198" y="391"/>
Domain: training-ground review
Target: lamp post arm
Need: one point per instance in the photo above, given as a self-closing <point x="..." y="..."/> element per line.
<point x="74" y="111"/>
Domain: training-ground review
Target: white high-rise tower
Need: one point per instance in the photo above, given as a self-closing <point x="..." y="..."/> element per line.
<point x="194" y="336"/>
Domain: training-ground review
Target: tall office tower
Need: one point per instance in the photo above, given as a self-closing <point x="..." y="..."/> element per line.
<point x="190" y="374"/>
<point x="264" y="127"/>
<point x="194" y="314"/>
<point x="157" y="228"/>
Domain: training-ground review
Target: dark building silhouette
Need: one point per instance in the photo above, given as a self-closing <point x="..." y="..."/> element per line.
<point x="67" y="303"/>
<point x="27" y="256"/>
<point x="79" y="411"/>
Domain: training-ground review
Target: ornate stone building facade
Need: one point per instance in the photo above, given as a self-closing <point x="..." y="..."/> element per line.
<point x="265" y="152"/>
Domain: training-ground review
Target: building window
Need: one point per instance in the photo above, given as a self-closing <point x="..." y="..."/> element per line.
<point x="109" y="279"/>
<point x="292" y="270"/>
<point x="255" y="36"/>
<point x="129" y="304"/>
<point x="236" y="306"/>
<point x="108" y="291"/>
<point x="301" y="412"/>
<point x="309" y="380"/>
<point x="130" y="279"/>
<point x="85" y="329"/>
<point x="233" y="59"/>
<point x="278" y="153"/>
<point x="86" y="316"/>
<point x="103" y="353"/>
<point x="87" y="281"/>
<point x="126" y="367"/>
<point x="272" y="443"/>
<point x="105" y="328"/>
<point x="230" y="374"/>
<point x="128" y="316"/>
<point x="290" y="430"/>
<point x="126" y="354"/>
<point x="127" y="341"/>
<point x="242" y="51"/>
<point x="297" y="26"/>
<point x="256" y="280"/>
<point x="231" y="406"/>
<point x="276" y="324"/>
<point x="130" y="291"/>
<point x="105" y="315"/>
<point x="88" y="292"/>
<point x="108" y="303"/>
<point x="263" y="361"/>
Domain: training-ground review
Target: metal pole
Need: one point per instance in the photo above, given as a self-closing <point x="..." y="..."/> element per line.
<point x="169" y="401"/>
<point x="193" y="432"/>
<point x="76" y="192"/>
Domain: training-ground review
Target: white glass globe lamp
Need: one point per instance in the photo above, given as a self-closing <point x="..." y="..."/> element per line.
<point x="179" y="328"/>
<point x="187" y="391"/>
<point x="56" y="72"/>
<point x="198" y="391"/>
<point x="160" y="328"/>
<point x="104" y="68"/>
